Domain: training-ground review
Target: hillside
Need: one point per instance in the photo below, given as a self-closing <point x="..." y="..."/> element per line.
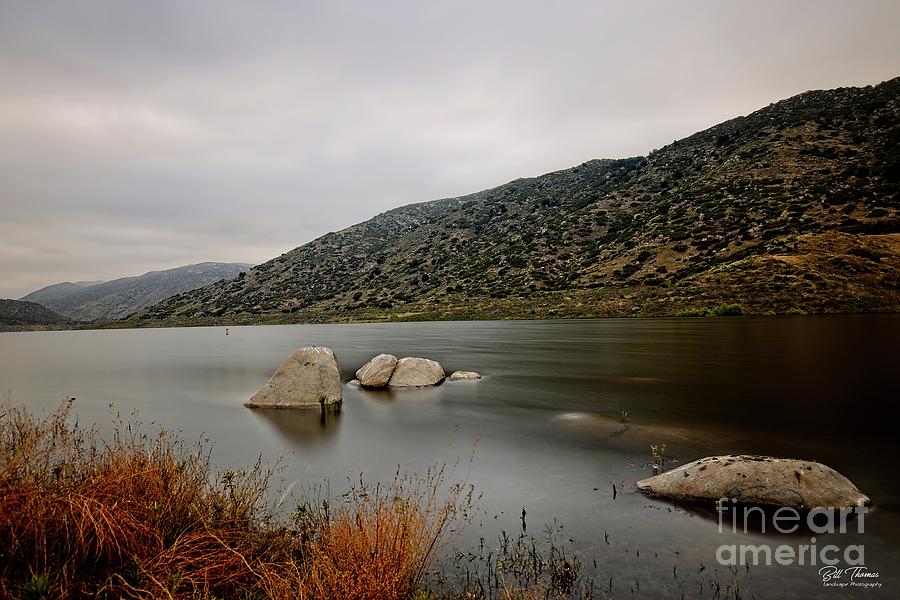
<point x="115" y="299"/>
<point x="791" y="208"/>
<point x="17" y="313"/>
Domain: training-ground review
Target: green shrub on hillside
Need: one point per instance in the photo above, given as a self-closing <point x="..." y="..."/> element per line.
<point x="728" y="310"/>
<point x="722" y="310"/>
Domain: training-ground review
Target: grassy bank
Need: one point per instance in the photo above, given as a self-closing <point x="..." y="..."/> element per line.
<point x="145" y="516"/>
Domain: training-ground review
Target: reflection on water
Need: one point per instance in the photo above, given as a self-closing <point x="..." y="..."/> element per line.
<point x="545" y="426"/>
<point x="417" y="395"/>
<point x="300" y="427"/>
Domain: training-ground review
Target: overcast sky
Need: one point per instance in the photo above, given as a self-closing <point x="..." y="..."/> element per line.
<point x="144" y="135"/>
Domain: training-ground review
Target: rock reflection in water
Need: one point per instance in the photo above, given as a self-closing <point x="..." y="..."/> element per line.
<point x="301" y="427"/>
<point x="419" y="395"/>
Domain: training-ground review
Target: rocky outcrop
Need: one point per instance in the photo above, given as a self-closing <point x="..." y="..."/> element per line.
<point x="309" y="378"/>
<point x="464" y="375"/>
<point x="377" y="372"/>
<point x="757" y="480"/>
<point x="416" y="372"/>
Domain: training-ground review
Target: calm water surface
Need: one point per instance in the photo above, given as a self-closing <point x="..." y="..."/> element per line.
<point x="542" y="425"/>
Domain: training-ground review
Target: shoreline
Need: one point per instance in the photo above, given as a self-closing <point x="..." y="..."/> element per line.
<point x="195" y="323"/>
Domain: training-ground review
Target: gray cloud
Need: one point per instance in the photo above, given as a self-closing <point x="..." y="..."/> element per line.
<point x="144" y="135"/>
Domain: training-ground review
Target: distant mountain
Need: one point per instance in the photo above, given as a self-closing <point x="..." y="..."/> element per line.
<point x="57" y="291"/>
<point x="791" y="208"/>
<point x="18" y="313"/>
<point x="89" y="301"/>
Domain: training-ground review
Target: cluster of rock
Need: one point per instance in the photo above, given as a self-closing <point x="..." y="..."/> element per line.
<point x="757" y="480"/>
<point x="311" y="378"/>
<point x="385" y="370"/>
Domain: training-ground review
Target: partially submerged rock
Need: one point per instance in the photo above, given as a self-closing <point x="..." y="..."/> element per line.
<point x="377" y="372"/>
<point x="309" y="378"/>
<point x="757" y="480"/>
<point x="464" y="375"/>
<point x="385" y="370"/>
<point x="416" y="372"/>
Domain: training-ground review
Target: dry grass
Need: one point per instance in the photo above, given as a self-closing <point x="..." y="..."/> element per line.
<point x="136" y="516"/>
<point x="142" y="516"/>
<point x="380" y="542"/>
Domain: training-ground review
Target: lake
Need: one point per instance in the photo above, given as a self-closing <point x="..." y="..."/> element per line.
<point x="543" y="430"/>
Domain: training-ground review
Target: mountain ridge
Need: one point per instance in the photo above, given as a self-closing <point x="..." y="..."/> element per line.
<point x="792" y="208"/>
<point x="109" y="300"/>
<point x="57" y="290"/>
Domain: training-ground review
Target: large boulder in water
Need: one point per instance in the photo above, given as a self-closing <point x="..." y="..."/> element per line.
<point x="416" y="372"/>
<point x="309" y="378"/>
<point x="757" y="480"/>
<point x="377" y="372"/>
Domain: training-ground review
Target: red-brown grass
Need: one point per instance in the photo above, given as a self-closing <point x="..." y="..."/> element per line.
<point x="142" y="516"/>
<point x="136" y="515"/>
<point x="380" y="542"/>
